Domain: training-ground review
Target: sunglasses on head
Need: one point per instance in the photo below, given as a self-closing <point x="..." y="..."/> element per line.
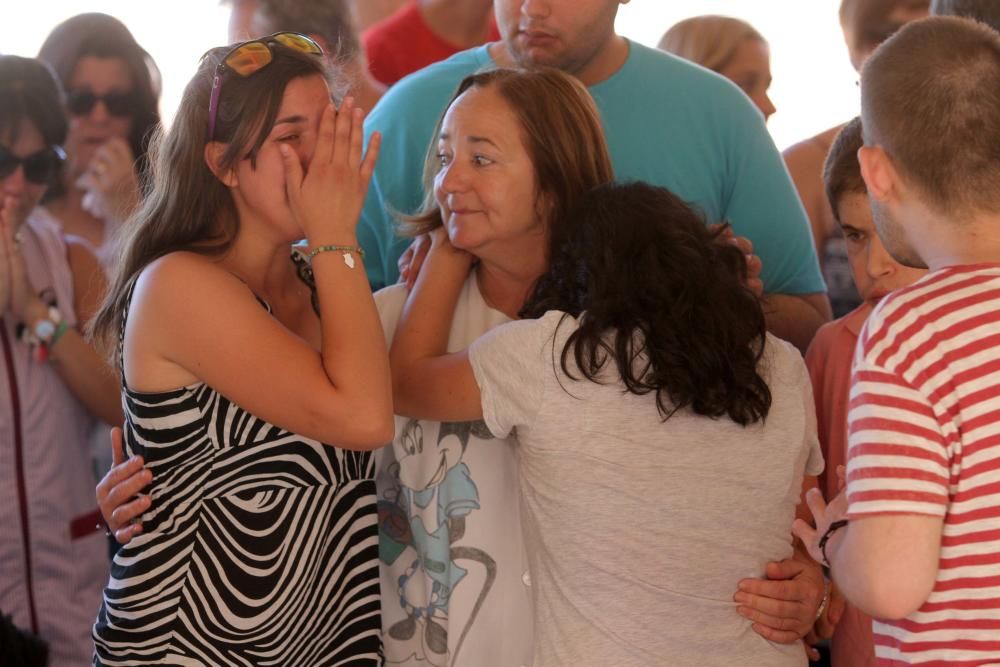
<point x="39" y="167"/>
<point x="82" y="102"/>
<point x="249" y="57"/>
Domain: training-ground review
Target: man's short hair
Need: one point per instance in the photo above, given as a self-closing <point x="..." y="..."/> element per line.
<point x="930" y="97"/>
<point x="330" y="19"/>
<point x="841" y="171"/>
<point x="985" y="11"/>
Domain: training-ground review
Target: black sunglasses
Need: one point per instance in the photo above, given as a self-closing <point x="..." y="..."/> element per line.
<point x="82" y="102"/>
<point x="39" y="167"/>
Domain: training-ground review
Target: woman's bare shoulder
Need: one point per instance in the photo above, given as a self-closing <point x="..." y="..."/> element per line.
<point x="189" y="283"/>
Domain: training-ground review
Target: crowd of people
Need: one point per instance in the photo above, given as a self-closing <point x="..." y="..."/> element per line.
<point x="474" y="333"/>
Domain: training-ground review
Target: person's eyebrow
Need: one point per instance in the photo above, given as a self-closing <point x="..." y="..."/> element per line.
<point x="290" y="119"/>
<point x="472" y="139"/>
<point x="850" y="228"/>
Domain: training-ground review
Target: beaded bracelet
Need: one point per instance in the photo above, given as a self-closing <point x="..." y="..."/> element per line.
<point x="45" y="334"/>
<point x="346" y="249"/>
<point x="825" y="601"/>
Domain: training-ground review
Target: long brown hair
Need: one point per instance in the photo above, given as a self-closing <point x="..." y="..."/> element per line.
<point x="187" y="207"/>
<point x="561" y="131"/>
<point x="103" y="36"/>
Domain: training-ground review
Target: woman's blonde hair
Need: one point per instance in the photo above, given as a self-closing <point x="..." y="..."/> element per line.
<point x="709" y="40"/>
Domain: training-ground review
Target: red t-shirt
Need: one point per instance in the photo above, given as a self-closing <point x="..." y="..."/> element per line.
<point x="829" y="362"/>
<point x="924" y="438"/>
<point x="403" y="43"/>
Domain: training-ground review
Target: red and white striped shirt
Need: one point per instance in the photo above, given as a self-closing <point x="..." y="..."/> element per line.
<point x="924" y="438"/>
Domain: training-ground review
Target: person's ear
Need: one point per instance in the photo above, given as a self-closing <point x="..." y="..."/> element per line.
<point x="878" y="172"/>
<point x="214" y="150"/>
<point x="544" y="206"/>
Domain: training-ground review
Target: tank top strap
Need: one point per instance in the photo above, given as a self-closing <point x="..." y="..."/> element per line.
<point x="121" y="331"/>
<point x="261" y="301"/>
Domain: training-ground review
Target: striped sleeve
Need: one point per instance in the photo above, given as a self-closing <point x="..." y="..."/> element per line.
<point x="897" y="460"/>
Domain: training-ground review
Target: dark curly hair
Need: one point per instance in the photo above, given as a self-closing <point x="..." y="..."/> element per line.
<point x="662" y="296"/>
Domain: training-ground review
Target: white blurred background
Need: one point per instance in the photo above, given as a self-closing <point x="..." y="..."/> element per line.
<point x="814" y="85"/>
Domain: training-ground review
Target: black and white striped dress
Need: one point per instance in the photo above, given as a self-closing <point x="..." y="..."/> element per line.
<point x="260" y="547"/>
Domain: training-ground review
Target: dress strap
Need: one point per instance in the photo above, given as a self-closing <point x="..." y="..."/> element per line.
<point x="261" y="301"/>
<point x="121" y="331"/>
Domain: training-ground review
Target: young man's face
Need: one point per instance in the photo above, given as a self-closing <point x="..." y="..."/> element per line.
<point x="566" y="34"/>
<point x="875" y="272"/>
<point x="877" y="32"/>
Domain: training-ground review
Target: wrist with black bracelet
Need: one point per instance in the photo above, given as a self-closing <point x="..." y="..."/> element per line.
<point x="830" y="530"/>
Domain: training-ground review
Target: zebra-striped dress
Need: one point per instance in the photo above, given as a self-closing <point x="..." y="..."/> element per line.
<point x="260" y="547"/>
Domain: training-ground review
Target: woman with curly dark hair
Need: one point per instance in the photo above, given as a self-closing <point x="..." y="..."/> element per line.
<point x="662" y="434"/>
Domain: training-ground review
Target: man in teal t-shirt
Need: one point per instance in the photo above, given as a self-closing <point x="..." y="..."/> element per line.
<point x="667" y="122"/>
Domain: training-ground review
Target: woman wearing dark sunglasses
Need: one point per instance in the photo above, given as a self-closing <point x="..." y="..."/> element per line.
<point x="53" y="556"/>
<point x="239" y="361"/>
<point x="112" y="91"/>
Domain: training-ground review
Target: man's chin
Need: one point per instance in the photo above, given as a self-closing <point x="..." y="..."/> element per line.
<point x="529" y="57"/>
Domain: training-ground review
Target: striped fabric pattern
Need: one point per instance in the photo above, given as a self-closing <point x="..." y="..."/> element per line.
<point x="260" y="547"/>
<point x="925" y="439"/>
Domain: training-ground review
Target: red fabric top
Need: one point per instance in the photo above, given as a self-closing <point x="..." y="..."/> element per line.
<point x="403" y="43"/>
<point x="829" y="362"/>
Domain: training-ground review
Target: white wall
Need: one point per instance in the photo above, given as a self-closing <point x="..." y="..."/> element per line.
<point x="175" y="32"/>
<point x="814" y="85"/>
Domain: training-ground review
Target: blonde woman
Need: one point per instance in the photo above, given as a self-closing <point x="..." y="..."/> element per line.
<point x="727" y="46"/>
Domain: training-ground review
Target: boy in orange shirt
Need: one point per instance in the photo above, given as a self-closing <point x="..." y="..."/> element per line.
<point x="829" y="356"/>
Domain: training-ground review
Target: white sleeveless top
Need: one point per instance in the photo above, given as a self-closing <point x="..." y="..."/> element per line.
<point x="53" y="558"/>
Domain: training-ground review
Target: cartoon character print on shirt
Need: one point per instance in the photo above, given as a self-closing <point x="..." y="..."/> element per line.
<point x="427" y="493"/>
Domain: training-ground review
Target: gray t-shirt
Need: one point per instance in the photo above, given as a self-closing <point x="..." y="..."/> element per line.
<point x="638" y="530"/>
